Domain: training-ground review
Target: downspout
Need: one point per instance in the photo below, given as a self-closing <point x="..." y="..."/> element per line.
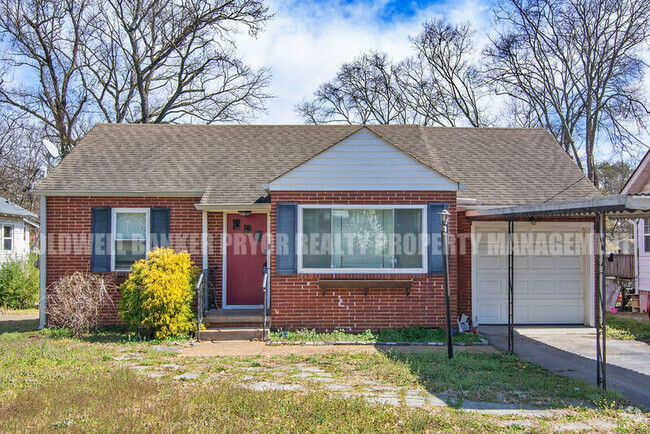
<point x="204" y="253"/>
<point x="42" y="265"/>
<point x="637" y="254"/>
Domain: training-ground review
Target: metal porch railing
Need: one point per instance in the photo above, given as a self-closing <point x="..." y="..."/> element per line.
<point x="201" y="290"/>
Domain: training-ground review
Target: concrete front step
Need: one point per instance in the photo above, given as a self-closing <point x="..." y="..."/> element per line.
<point x="219" y="317"/>
<point x="231" y="334"/>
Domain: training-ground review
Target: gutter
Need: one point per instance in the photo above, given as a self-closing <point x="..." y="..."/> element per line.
<point x="233" y="207"/>
<point x="141" y="193"/>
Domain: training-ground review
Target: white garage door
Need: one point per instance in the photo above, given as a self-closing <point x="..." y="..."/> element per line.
<point x="551" y="273"/>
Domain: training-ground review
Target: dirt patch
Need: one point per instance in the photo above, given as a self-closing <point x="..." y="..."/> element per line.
<point x="18" y="315"/>
<point x="18" y="321"/>
<point x="247" y="349"/>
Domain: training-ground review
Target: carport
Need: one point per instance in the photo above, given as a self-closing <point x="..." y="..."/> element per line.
<point x="616" y="206"/>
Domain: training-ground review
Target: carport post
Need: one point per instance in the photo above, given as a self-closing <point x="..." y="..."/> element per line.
<point x="511" y="285"/>
<point x="444" y="234"/>
<point x="601" y="332"/>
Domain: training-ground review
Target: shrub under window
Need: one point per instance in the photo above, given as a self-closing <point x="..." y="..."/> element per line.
<point x="157" y="296"/>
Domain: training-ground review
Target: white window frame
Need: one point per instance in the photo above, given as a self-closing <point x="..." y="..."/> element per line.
<point x="114" y="212"/>
<point x="13" y="244"/>
<point x="425" y="259"/>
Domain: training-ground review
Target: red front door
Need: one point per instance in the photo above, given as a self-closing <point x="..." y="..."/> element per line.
<point x="246" y="255"/>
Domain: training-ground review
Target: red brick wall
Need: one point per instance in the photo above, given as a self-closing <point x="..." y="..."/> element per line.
<point x="297" y="301"/>
<point x="215" y="254"/>
<point x="464" y="255"/>
<point x="69" y="229"/>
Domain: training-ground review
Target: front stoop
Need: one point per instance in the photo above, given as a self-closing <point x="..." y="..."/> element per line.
<point x="232" y="325"/>
<point x="231" y="334"/>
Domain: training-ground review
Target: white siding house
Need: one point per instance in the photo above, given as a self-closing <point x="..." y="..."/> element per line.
<point x="16" y="224"/>
<point x="639" y="183"/>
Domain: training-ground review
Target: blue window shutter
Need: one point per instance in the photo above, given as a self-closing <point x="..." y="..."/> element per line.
<point x="286" y="224"/>
<point x="434" y="241"/>
<point x="100" y="255"/>
<point x="159" y="227"/>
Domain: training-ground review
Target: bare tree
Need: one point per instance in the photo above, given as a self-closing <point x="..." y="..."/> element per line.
<point x="424" y="99"/>
<point x="445" y="51"/>
<point x="20" y="159"/>
<point x="577" y="65"/>
<point x="438" y="85"/>
<point x="154" y="61"/>
<point x="42" y="45"/>
<point x="364" y="91"/>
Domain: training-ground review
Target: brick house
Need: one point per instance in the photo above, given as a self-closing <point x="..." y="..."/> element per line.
<point x="346" y="217"/>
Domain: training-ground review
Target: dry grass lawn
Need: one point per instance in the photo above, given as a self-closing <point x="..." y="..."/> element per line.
<point x="113" y="382"/>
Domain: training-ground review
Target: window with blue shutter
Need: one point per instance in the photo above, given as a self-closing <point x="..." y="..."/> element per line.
<point x="285" y="238"/>
<point x="100" y="255"/>
<point x="159" y="227"/>
<point x="434" y="239"/>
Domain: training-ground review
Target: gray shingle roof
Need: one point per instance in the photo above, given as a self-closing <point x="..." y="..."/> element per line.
<point x="227" y="164"/>
<point x="10" y="208"/>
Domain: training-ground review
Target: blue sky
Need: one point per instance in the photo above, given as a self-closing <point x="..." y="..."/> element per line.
<point x="307" y="41"/>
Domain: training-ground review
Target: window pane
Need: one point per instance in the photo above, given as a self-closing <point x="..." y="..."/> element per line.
<point x="408" y="238"/>
<point x="7" y="231"/>
<point x="362" y="238"/>
<point x="317" y="238"/>
<point x="7" y="244"/>
<point x="130" y="226"/>
<point x="127" y="252"/>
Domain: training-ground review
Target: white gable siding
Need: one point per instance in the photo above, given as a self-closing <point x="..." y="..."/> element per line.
<point x="363" y="161"/>
<point x="20" y="238"/>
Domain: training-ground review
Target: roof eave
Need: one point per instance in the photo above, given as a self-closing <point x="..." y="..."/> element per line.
<point x="121" y="193"/>
<point x="226" y="207"/>
<point x="615" y="206"/>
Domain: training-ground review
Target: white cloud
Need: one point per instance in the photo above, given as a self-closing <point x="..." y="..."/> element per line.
<point x="306" y="43"/>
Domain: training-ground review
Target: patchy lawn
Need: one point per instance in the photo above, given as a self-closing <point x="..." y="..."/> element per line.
<point x="49" y="381"/>
<point x="407" y="334"/>
<point x="628" y="326"/>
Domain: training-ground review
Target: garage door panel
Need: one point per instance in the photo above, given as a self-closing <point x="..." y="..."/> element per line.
<point x="489" y="262"/>
<point x="543" y="287"/>
<point x="570" y="288"/>
<point x="539" y="313"/>
<point x="550" y="282"/>
<point x="492" y="312"/>
<point x="492" y="288"/>
<point x="542" y="262"/>
<point x="522" y="288"/>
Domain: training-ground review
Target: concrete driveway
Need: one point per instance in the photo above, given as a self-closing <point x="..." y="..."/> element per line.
<point x="571" y="351"/>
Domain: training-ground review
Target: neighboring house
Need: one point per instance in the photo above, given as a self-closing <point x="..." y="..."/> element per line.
<point x="16" y="226"/>
<point x="240" y="197"/>
<point x="638" y="183"/>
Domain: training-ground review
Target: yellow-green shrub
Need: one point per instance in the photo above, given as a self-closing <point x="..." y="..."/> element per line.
<point x="157" y="296"/>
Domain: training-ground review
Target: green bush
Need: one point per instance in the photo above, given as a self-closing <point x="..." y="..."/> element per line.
<point x="19" y="283"/>
<point x="157" y="296"/>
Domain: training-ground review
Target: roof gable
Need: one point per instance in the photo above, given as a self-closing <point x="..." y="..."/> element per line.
<point x="639" y="181"/>
<point x="363" y="161"/>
